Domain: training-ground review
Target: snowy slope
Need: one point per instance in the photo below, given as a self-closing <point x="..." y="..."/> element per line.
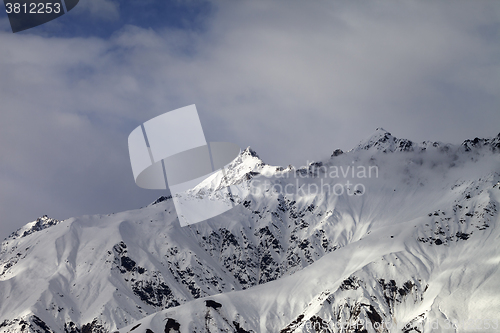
<point x="412" y="242"/>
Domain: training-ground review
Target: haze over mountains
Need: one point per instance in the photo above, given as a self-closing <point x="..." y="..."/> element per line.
<point x="410" y="245"/>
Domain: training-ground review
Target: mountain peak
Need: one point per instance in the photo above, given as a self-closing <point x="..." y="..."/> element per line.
<point x="384" y="141"/>
<point x="381" y="139"/>
<point x="249" y="152"/>
<point x="247" y="158"/>
<point x="238" y="170"/>
<point x="380" y="134"/>
<point x="40" y="223"/>
<point x="492" y="143"/>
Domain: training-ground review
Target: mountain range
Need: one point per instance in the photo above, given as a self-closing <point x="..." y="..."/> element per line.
<point x="391" y="236"/>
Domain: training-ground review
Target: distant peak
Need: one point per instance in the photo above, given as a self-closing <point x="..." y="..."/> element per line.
<point x="492" y="143"/>
<point x="39" y="224"/>
<point x="384" y="141"/>
<point x="380" y="137"/>
<point x="380" y="132"/>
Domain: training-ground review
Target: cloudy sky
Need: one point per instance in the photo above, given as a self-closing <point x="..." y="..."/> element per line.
<point x="292" y="79"/>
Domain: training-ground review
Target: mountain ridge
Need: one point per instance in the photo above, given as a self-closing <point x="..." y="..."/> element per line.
<point x="269" y="262"/>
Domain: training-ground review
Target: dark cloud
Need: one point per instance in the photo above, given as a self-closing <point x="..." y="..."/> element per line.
<point x="292" y="79"/>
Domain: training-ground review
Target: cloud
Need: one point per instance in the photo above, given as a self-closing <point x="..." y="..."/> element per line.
<point x="293" y="79"/>
<point x="100" y="9"/>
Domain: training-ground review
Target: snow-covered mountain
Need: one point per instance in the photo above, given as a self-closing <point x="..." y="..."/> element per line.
<point x="393" y="236"/>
